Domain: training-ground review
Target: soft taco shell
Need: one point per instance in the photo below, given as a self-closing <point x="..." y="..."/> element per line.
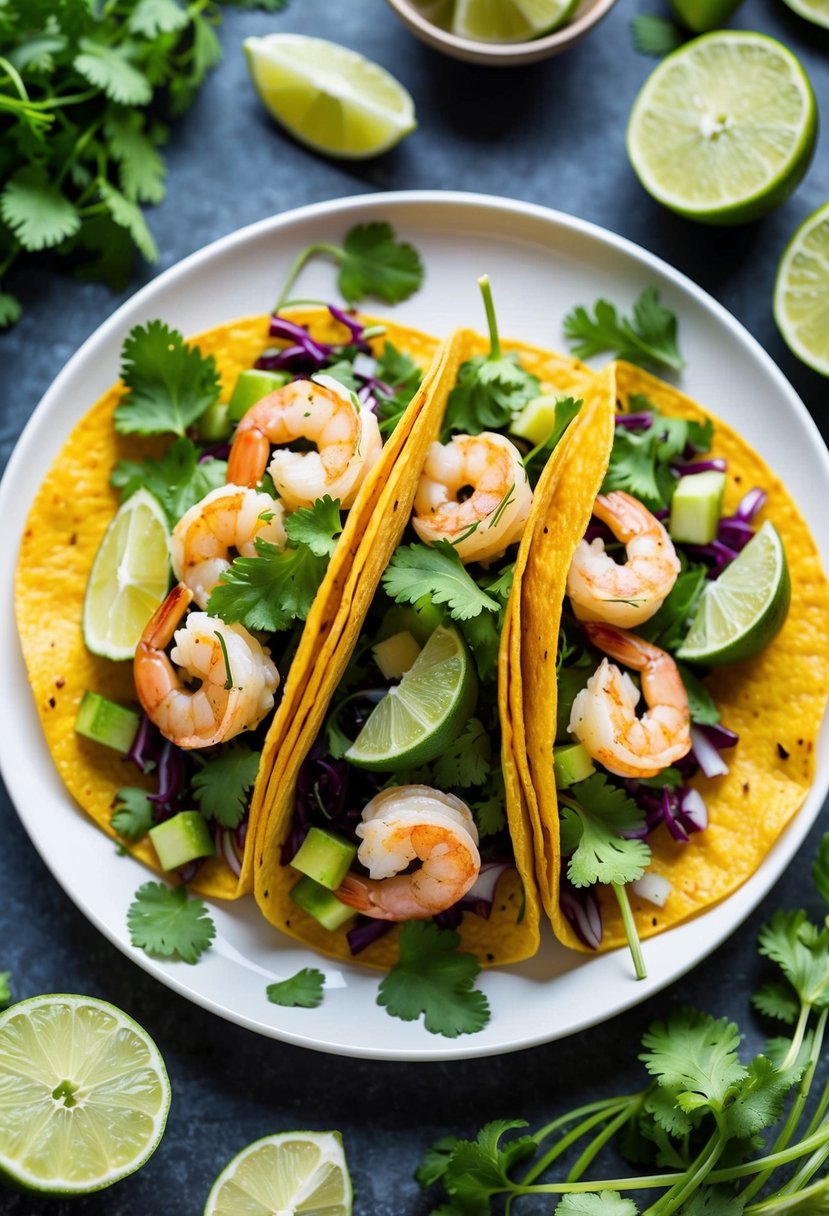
<point x="775" y="701"/>
<point x="67" y="520"/>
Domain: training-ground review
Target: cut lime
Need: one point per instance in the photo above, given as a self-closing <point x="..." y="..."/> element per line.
<point x="129" y="578"/>
<point x="702" y="15"/>
<point x="84" y="1095"/>
<point x="801" y="291"/>
<point x="724" y="128"/>
<point x="741" y="611"/>
<point x="816" y="11"/>
<point x="328" y="97"/>
<point x="509" y="20"/>
<point x="291" y="1172"/>
<point x="424" y="712"/>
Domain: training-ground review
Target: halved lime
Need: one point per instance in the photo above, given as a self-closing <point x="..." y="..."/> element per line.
<point x="702" y="15"/>
<point x="129" y="578"/>
<point x="296" y="1172"/>
<point x="84" y="1095"/>
<point x="329" y="97"/>
<point x="742" y="610"/>
<point x="801" y="291"/>
<point x="509" y="20"/>
<point x="424" y="712"/>
<point x="724" y="128"/>
<point x="816" y="11"/>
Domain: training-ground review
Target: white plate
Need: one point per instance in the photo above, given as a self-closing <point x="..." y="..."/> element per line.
<point x="540" y="263"/>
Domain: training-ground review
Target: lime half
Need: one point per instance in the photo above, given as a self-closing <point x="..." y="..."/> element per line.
<point x="816" y="11"/>
<point x="424" y="712"/>
<point x="741" y="611"/>
<point x="84" y="1095"/>
<point x="801" y="292"/>
<point x="724" y="128"/>
<point x="509" y="20"/>
<point x="292" y="1172"/>
<point x="328" y="97"/>
<point x="129" y="578"/>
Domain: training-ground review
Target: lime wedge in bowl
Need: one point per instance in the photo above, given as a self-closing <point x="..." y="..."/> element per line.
<point x="129" y="577"/>
<point x="724" y="128"/>
<point x="84" y="1095"/>
<point x="328" y="97"/>
<point x="289" y="1172"/>
<point x="418" y="717"/>
<point x="509" y="20"/>
<point x="801" y="292"/>
<point x="741" y="611"/>
<point x="816" y="11"/>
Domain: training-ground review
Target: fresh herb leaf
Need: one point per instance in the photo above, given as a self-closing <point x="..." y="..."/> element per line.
<point x="820" y="869"/>
<point x="169" y="384"/>
<point x="802" y="953"/>
<point x="316" y="527"/>
<point x="604" y="1203"/>
<point x="668" y="626"/>
<point x="223" y="783"/>
<point x="777" y="1000"/>
<point x="303" y="990"/>
<point x="649" y="338"/>
<point x="39" y="214"/>
<point x="594" y="814"/>
<point x="640" y="459"/>
<point x="535" y="461"/>
<point x="109" y="68"/>
<point x="656" y="36"/>
<point x="491" y="812"/>
<point x="162" y="920"/>
<point x="10" y="309"/>
<point x="701" y="705"/>
<point x="434" y="980"/>
<point x="467" y="760"/>
<point x="435" y="571"/>
<point x="372" y="262"/>
<point x="178" y="480"/>
<point x="397" y="372"/>
<point x="132" y="816"/>
<point x="5" y="989"/>
<point x="476" y="1170"/>
<point x="695" y="1057"/>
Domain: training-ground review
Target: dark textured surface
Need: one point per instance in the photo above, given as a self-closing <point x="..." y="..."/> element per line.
<point x="552" y="134"/>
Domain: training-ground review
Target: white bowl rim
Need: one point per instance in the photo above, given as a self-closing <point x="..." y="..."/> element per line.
<point x="570" y="32"/>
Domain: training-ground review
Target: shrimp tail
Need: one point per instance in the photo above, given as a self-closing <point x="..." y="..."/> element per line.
<point x="620" y="644"/>
<point x="248" y="458"/>
<point x="360" y="894"/>
<point x="159" y="630"/>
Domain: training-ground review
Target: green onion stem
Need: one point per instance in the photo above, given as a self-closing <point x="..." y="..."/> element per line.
<point x="620" y="891"/>
<point x="229" y="674"/>
<point x="494" y="340"/>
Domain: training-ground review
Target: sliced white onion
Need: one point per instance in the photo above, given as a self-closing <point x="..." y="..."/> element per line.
<point x="706" y="755"/>
<point x="692" y="805"/>
<point x="654" y="888"/>
<point x="364" y="365"/>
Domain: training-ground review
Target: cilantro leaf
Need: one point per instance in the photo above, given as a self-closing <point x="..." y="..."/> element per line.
<point x="5" y="989"/>
<point x="759" y="1101"/>
<point x="374" y="263"/>
<point x="433" y="979"/>
<point x="153" y="17"/>
<point x="478" y="1169"/>
<point x="303" y="990"/>
<point x="36" y="210"/>
<point x="10" y="309"/>
<point x="223" y="783"/>
<point x="169" y="384"/>
<point x="398" y="378"/>
<point x="801" y="950"/>
<point x="640" y="459"/>
<point x="491" y="812"/>
<point x="132" y="816"/>
<point x="601" y="1203"/>
<point x="594" y="814"/>
<point x="777" y="1000"/>
<point x="178" y="480"/>
<point x="820" y="869"/>
<point x="649" y="338"/>
<point x="695" y="1057"/>
<point x="654" y="35"/>
<point x="435" y="571"/>
<point x="668" y="626"/>
<point x="162" y="920"/>
<point x="127" y="214"/>
<point x="141" y="169"/>
<point x="109" y="68"/>
<point x="535" y="461"/>
<point x="465" y="761"/>
<point x="316" y="527"/>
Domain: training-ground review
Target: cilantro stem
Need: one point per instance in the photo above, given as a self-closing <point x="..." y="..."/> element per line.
<point x="302" y="257"/>
<point x="597" y="1112"/>
<point x="781" y="1201"/>
<point x="620" y="891"/>
<point x="491" y="320"/>
<point x="598" y="1142"/>
<point x="683" y="1188"/>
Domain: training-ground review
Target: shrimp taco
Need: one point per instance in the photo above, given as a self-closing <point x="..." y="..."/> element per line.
<point x="260" y="565"/>
<point x="674" y="668"/>
<point x="401" y="801"/>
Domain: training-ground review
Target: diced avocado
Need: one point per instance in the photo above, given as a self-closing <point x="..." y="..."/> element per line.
<point x="214" y="423"/>
<point x="571" y="764"/>
<point x="396" y="654"/>
<point x="106" y="722"/>
<point x="535" y="420"/>
<point x="321" y="903"/>
<point x="325" y="857"/>
<point x="696" y="507"/>
<point x="251" y="386"/>
<point x="181" y="839"/>
<point x="421" y="619"/>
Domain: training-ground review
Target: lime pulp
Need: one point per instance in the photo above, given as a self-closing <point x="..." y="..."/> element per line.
<point x="801" y="292"/>
<point x="509" y="20"/>
<point x="816" y="11"/>
<point x="301" y="1172"/>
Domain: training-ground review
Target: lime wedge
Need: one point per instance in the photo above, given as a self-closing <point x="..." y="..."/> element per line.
<point x="816" y="11"/>
<point x="299" y="1172"/>
<point x="801" y="291"/>
<point x="741" y="611"/>
<point x="84" y="1095"/>
<point x="328" y="97"/>
<point x="724" y="128"/>
<point x="129" y="578"/>
<point x="509" y="20"/>
<point x="424" y="712"/>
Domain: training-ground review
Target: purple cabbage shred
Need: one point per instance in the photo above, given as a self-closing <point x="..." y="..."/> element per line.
<point x="365" y="931"/>
<point x="581" y="909"/>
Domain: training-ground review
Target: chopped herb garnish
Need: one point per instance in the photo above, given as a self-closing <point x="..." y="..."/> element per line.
<point x="162" y="920"/>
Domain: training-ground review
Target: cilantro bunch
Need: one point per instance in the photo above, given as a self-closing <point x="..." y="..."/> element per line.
<point x="722" y="1136"/>
<point x="648" y="338"/>
<point x="86" y="94"/>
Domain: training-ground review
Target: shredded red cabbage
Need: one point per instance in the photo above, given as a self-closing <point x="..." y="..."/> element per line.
<point x="365" y="931"/>
<point x="582" y="911"/>
<point x="642" y="421"/>
<point x="719" y="735"/>
<point x="351" y="323"/>
<point x="715" y="464"/>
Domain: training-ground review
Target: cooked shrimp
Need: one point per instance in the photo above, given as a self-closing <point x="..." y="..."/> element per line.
<point x="211" y="651"/>
<point x="227" y="519"/>
<point x="601" y="589"/>
<point x="401" y="824"/>
<point x="347" y="438"/>
<point x="482" y="524"/>
<point x="603" y="717"/>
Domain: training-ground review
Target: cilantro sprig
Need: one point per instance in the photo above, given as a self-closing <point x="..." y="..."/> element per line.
<point x="641" y="456"/>
<point x="436" y="571"/>
<point x="301" y="991"/>
<point x="371" y="261"/>
<point x="169" y="384"/>
<point x="648" y="338"/>
<point x="433" y="980"/>
<point x="163" y="921"/>
<point x="722" y="1135"/>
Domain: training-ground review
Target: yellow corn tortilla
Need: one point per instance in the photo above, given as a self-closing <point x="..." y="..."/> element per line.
<point x="512" y="931"/>
<point x="67" y="520"/>
<point x="775" y="701"/>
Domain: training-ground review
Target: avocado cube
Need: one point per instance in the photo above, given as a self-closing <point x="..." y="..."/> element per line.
<point x="395" y="655"/>
<point x="571" y="764"/>
<point x="325" y="857"/>
<point x="536" y="420"/>
<point x="185" y="837"/>
<point x="106" y="722"/>
<point x="251" y="386"/>
<point x="321" y="903"/>
<point x="696" y="507"/>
